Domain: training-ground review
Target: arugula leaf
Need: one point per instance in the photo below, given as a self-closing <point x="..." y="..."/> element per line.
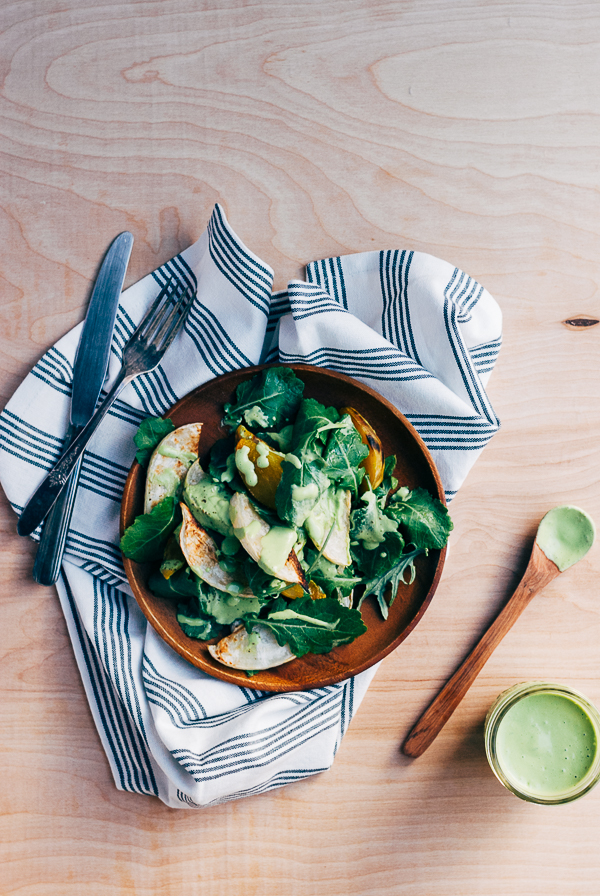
<point x="181" y="584"/>
<point x="145" y="539"/>
<point x="376" y="562"/>
<point x="302" y="483"/>
<point x="311" y="626"/>
<point x="343" y="454"/>
<point x="202" y="605"/>
<point x="267" y="401"/>
<point x="281" y="441"/>
<point x="393" y="577"/>
<point x="425" y="519"/>
<point x="221" y="464"/>
<point x="370" y="524"/>
<point x="151" y="432"/>
<point x="389" y="481"/>
<point x="199" y="626"/>
<point x="218" y="458"/>
<point x="304" y="475"/>
<point x="328" y="576"/>
<point x="312" y="424"/>
<point x="261" y="583"/>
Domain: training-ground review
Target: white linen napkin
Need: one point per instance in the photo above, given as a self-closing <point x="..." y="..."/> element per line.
<point x="415" y="328"/>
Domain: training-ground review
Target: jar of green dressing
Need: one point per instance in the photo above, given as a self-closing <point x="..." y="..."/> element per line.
<point x="542" y="741"/>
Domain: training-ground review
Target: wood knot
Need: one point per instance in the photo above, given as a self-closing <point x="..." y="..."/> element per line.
<point x="581" y="322"/>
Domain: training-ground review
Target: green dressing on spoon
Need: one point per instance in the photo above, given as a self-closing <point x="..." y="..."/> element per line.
<point x="565" y="535"/>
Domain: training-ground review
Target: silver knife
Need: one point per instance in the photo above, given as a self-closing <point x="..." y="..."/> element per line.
<point x="89" y="371"/>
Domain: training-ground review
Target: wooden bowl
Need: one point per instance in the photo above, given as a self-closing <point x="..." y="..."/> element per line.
<point x="415" y="467"/>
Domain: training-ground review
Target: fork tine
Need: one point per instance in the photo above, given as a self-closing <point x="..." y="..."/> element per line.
<point x="171" y="314"/>
<point x="172" y="294"/>
<point x="149" y="315"/>
<point x="176" y="323"/>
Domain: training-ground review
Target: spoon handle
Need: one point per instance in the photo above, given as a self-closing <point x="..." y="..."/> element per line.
<point x="540" y="571"/>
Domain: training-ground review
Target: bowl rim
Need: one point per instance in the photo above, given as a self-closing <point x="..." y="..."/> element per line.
<point x="223" y="673"/>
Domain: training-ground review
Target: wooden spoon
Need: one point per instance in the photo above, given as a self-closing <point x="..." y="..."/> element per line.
<point x="564" y="536"/>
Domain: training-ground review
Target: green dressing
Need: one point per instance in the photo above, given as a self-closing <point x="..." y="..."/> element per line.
<point x="263" y="455"/>
<point x="230" y="468"/>
<point x="546" y="743"/>
<point x="250" y="531"/>
<point x="373" y="525"/>
<point x="253" y="639"/>
<point x="305" y="492"/>
<point x="171" y="566"/>
<point x="194" y="621"/>
<point x="565" y="535"/>
<point x="291" y="614"/>
<point x="245" y="466"/>
<point x="295" y="461"/>
<point x="255" y="416"/>
<point x="186" y="457"/>
<point x="209" y="502"/>
<point x="275" y="549"/>
<point x="227" y="609"/>
<point x="169" y="480"/>
<point x="400" y="494"/>
<point x="234" y="588"/>
<point x="283" y="438"/>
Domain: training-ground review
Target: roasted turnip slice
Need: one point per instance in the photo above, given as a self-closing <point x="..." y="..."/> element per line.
<point x="255" y="651"/>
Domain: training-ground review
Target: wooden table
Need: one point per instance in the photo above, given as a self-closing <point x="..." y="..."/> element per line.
<point x="468" y="130"/>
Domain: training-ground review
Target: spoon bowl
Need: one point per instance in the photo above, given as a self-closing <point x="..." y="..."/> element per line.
<point x="565" y="535"/>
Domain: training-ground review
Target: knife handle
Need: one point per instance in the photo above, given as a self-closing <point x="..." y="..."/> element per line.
<point x="51" y="548"/>
<point x="44" y="498"/>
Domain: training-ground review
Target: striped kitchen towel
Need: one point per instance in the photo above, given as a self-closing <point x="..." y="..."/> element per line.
<point x="415" y="328"/>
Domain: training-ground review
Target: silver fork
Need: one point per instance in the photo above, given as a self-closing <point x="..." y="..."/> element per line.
<point x="142" y="353"/>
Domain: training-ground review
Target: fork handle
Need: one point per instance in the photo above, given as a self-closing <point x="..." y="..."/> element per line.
<point x="43" y="499"/>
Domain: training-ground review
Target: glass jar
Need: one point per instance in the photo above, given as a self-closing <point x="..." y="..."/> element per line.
<point x="542" y="741"/>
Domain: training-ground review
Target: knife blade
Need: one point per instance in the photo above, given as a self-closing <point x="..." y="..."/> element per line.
<point x="89" y="372"/>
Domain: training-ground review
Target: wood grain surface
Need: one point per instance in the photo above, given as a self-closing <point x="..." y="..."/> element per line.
<point x="469" y="130"/>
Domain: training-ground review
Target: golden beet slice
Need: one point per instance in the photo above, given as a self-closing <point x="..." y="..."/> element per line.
<point x="295" y="591"/>
<point x="374" y="461"/>
<point x="259" y="465"/>
<point x="243" y="433"/>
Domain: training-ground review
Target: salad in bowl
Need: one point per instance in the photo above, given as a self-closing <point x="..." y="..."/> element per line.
<point x="269" y="542"/>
